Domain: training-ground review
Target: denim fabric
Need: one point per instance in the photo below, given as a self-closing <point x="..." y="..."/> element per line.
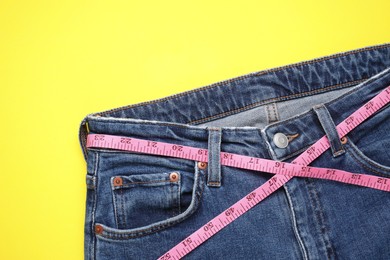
<point x="144" y="213"/>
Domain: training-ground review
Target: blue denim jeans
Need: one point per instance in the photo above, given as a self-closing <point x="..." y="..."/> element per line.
<point x="307" y="218"/>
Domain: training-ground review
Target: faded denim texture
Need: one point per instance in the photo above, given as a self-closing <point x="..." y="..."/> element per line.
<point x="148" y="213"/>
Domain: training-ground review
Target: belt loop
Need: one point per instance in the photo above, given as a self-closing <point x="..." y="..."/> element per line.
<point x="214" y="158"/>
<point x="330" y="129"/>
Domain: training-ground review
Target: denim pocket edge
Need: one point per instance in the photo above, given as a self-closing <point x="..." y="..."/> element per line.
<point x="367" y="163"/>
<point x="125" y="234"/>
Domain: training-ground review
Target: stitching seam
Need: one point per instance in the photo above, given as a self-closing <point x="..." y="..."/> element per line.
<point x="319" y="216"/>
<point x="295" y="225"/>
<point x="115" y="209"/>
<point x="123" y="215"/>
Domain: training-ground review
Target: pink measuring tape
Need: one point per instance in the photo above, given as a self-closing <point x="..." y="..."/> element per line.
<point x="283" y="171"/>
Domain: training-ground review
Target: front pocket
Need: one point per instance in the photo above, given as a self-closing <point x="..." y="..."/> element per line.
<point x="140" y="200"/>
<point x="367" y="164"/>
<point x="139" y="195"/>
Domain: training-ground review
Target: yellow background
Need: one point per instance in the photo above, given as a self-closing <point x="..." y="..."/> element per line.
<point x="60" y="60"/>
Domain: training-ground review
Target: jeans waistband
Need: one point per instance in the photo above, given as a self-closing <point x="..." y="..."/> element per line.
<point x="183" y="118"/>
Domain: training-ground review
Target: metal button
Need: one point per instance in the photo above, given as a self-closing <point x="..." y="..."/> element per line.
<point x="202" y="165"/>
<point x="174" y="177"/>
<point x="280" y="140"/>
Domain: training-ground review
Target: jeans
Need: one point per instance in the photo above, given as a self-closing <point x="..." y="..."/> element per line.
<point x="148" y="213"/>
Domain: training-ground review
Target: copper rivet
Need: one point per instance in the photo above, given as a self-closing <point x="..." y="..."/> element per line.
<point x="344" y="140"/>
<point x="174" y="176"/>
<point x="98" y="229"/>
<point x="202" y="165"/>
<point x="118" y="181"/>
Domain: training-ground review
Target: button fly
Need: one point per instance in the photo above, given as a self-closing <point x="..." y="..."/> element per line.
<point x="280" y="140"/>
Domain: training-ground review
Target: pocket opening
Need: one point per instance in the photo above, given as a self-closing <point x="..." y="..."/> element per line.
<point x="364" y="161"/>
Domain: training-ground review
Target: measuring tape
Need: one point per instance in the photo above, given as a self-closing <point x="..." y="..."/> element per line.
<point x="283" y="171"/>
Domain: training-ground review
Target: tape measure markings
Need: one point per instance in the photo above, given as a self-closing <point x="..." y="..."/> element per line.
<point x="238" y="161"/>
